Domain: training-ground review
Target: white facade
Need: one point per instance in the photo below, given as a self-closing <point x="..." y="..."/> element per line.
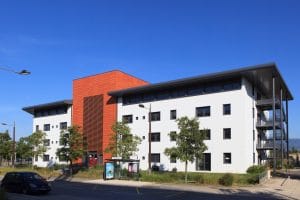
<point x="53" y="135"/>
<point x="242" y="144"/>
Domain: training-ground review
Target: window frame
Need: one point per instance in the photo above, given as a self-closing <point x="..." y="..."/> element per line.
<point x="228" y="157"/>
<point x="227" y="109"/>
<point x="173" y="114"/>
<point x="62" y="127"/>
<point x="125" y="119"/>
<point x="155" y="116"/>
<point x="225" y="133"/>
<point x="155" y="137"/>
<point x="46" y="127"/>
<point x="153" y="155"/>
<point x="203" y="111"/>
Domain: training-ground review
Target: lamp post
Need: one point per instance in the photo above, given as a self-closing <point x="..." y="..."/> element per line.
<point x="149" y="136"/>
<point x="13" y="158"/>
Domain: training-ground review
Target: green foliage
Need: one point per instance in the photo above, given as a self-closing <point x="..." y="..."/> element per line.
<point x="36" y="143"/>
<point x="253" y="178"/>
<point x="24" y="148"/>
<point x="122" y="142"/>
<point x="256" y="169"/>
<point x="189" y="142"/>
<point x="226" y="179"/>
<point x="73" y="144"/>
<point x="5" y="146"/>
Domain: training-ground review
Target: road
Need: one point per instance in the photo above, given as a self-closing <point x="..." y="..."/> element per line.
<point x="64" y="190"/>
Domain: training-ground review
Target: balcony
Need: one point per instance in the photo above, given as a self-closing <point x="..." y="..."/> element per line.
<point x="266" y="104"/>
<point x="267" y="125"/>
<point x="267" y="146"/>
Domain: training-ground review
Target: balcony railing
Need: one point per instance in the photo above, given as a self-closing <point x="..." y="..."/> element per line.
<point x="267" y="145"/>
<point x="267" y="124"/>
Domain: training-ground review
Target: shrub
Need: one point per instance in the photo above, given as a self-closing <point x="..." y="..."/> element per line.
<point x="226" y="179"/>
<point x="253" y="179"/>
<point x="256" y="169"/>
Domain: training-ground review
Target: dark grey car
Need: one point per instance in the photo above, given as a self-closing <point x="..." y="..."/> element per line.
<point x="25" y="182"/>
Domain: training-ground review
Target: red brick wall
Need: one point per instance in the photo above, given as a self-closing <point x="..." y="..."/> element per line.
<point x="97" y="85"/>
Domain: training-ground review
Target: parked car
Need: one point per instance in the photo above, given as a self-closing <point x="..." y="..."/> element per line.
<point x="25" y="182"/>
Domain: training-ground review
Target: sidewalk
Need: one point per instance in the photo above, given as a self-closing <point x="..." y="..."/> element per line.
<point x="283" y="188"/>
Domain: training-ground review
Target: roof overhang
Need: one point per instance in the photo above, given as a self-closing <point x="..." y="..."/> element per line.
<point x="32" y="109"/>
<point x="261" y="76"/>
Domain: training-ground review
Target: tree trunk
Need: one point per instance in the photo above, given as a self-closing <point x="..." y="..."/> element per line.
<point x="185" y="170"/>
<point x="71" y="170"/>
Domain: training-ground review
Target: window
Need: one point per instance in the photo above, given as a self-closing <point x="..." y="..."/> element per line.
<point x="155" y="137"/>
<point x="203" y="111"/>
<point x="204" y="163"/>
<point x="226" y="109"/>
<point x="173" y="136"/>
<point x="206" y="133"/>
<point x="155" y="157"/>
<point x="155" y="116"/>
<point x="37" y="128"/>
<point x="45" y="157"/>
<point x="227" y="158"/>
<point x="47" y="142"/>
<point x="173" y="159"/>
<point x="46" y="127"/>
<point x="173" y="114"/>
<point x="63" y="125"/>
<point x="36" y="158"/>
<point x="127" y="119"/>
<point x="226" y="133"/>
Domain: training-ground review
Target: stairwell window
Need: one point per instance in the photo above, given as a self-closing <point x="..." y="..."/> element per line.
<point x="155" y="137"/>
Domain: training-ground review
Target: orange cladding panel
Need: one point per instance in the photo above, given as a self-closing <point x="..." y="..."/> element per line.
<point x="101" y="84"/>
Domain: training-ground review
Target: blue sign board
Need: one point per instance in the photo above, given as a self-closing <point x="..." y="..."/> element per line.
<point x="109" y="170"/>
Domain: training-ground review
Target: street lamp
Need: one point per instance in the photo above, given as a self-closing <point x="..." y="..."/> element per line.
<point x="149" y="135"/>
<point x="22" y="72"/>
<point x="13" y="158"/>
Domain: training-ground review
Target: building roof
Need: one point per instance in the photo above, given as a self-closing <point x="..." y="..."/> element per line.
<point x="31" y="109"/>
<point x="259" y="75"/>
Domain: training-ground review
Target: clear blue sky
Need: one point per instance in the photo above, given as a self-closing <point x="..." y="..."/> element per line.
<point x="156" y="40"/>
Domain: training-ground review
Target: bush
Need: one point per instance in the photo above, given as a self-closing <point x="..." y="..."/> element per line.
<point x="226" y="179"/>
<point x="256" y="169"/>
<point x="253" y="179"/>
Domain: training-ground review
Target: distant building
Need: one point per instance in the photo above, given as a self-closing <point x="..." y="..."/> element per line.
<point x="235" y="108"/>
<point x="52" y="119"/>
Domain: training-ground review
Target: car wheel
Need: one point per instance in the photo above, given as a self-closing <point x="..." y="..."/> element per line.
<point x="25" y="190"/>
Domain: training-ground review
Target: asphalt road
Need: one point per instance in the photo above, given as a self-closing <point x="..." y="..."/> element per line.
<point x="64" y="190"/>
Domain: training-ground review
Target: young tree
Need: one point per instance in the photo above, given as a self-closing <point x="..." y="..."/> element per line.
<point x="122" y="142"/>
<point x="24" y="148"/>
<point x="5" y="146"/>
<point x="189" y="142"/>
<point x="36" y="143"/>
<point x="72" y="141"/>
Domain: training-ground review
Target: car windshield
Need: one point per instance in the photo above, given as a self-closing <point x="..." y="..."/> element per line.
<point x="32" y="176"/>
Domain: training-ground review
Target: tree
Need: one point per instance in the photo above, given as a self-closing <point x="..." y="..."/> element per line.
<point x="72" y="141"/>
<point x="5" y="146"/>
<point x="36" y="143"/>
<point x="189" y="142"/>
<point x="24" y="148"/>
<point x="122" y="142"/>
